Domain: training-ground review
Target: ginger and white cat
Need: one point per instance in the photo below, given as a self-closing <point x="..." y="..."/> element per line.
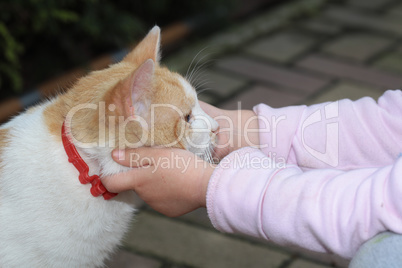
<point x="47" y="217"/>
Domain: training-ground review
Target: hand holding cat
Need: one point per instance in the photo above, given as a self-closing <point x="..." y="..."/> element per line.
<point x="171" y="181"/>
<point x="175" y="181"/>
<point x="233" y="125"/>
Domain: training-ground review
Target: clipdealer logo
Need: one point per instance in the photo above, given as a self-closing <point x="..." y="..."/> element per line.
<point x="329" y="115"/>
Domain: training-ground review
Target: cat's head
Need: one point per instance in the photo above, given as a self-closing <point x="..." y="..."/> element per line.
<point x="138" y="102"/>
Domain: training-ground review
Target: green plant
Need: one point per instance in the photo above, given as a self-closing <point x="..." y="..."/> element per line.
<point x="42" y="38"/>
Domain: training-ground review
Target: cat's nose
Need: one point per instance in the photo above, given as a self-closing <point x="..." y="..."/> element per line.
<point x="214" y="127"/>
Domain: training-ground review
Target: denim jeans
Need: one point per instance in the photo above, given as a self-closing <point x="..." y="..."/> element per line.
<point x="383" y="250"/>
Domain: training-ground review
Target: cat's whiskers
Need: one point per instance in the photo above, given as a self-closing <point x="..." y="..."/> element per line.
<point x="204" y="89"/>
<point x="196" y="68"/>
<point x="196" y="72"/>
<point x="210" y="159"/>
<point x="192" y="61"/>
<point x="202" y="80"/>
<point x="207" y="156"/>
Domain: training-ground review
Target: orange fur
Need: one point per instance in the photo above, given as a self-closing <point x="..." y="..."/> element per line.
<point x="101" y="110"/>
<point x="146" y="49"/>
<point x="111" y="87"/>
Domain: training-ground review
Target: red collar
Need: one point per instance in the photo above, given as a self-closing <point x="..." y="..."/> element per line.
<point x="74" y="157"/>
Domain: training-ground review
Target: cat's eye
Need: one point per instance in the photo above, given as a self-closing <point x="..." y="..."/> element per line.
<point x="187" y="118"/>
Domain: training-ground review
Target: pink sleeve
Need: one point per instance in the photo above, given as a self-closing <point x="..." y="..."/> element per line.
<point x="344" y="134"/>
<point x="324" y="210"/>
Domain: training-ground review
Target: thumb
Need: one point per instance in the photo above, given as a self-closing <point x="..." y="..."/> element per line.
<point x="126" y="180"/>
<point x="119" y="182"/>
<point x="139" y="157"/>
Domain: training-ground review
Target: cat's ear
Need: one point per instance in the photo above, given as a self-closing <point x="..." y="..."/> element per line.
<point x="148" y="48"/>
<point x="132" y="96"/>
<point x="141" y="87"/>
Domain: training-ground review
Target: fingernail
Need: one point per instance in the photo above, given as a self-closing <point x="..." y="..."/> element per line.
<point x="118" y="154"/>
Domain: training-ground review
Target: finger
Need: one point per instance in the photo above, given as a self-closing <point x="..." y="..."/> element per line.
<point x="212" y="111"/>
<point x="127" y="180"/>
<point x="137" y="157"/>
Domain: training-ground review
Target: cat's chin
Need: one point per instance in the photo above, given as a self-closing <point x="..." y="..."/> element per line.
<point x="100" y="161"/>
<point x="110" y="167"/>
<point x="206" y="154"/>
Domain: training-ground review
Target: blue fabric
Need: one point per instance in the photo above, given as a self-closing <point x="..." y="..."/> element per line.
<point x="382" y="251"/>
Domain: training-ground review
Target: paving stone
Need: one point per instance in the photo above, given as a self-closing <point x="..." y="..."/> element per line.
<point x="199" y="217"/>
<point x="185" y="244"/>
<point x="356" y="72"/>
<point x="346" y="90"/>
<point x="390" y="62"/>
<point x="272" y="74"/>
<point x="323" y="258"/>
<point x="261" y="94"/>
<point x="370" y="4"/>
<point x="219" y="83"/>
<point x="265" y="23"/>
<point x="307" y="264"/>
<point x="352" y="18"/>
<point x="223" y="42"/>
<point x="197" y="53"/>
<point x="281" y="47"/>
<point x="124" y="259"/>
<point x="322" y="26"/>
<point x="357" y="46"/>
<point x="395" y="11"/>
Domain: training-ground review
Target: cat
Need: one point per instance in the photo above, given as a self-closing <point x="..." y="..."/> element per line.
<point x="47" y="217"/>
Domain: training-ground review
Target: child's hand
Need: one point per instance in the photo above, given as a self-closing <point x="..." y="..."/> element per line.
<point x="171" y="181"/>
<point x="237" y="129"/>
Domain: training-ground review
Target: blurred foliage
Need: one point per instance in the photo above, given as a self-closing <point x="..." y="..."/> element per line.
<point x="41" y="38"/>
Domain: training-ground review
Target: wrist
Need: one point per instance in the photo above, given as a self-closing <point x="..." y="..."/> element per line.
<point x="206" y="176"/>
<point x="249" y="129"/>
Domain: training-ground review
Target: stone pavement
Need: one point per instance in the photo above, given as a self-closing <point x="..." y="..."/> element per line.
<point x="302" y="52"/>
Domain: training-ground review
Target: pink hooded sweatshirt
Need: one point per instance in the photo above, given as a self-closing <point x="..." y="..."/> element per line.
<point x="327" y="177"/>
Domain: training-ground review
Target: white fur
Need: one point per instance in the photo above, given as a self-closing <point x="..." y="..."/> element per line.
<point x="202" y="125"/>
<point x="47" y="218"/>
